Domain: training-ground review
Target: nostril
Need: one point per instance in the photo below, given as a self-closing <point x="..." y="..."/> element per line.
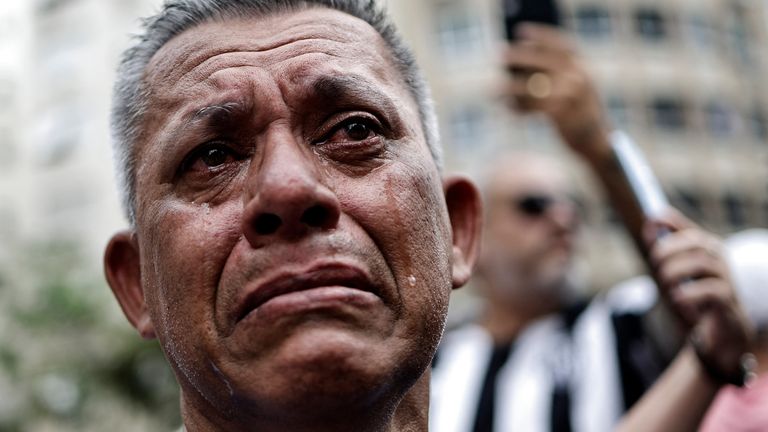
<point x="267" y="223"/>
<point x="315" y="216"/>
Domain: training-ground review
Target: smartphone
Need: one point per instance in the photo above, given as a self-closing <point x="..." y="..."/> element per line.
<point x="538" y="11"/>
<point x="644" y="185"/>
<point x="647" y="200"/>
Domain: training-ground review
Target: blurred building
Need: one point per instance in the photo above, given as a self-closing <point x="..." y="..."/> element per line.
<point x="686" y="78"/>
<point x="58" y="352"/>
<point x="56" y="74"/>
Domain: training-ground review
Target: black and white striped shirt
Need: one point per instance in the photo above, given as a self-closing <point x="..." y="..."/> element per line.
<point x="575" y="371"/>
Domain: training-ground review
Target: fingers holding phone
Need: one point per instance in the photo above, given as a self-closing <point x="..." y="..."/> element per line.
<point x="694" y="277"/>
<point x="689" y="264"/>
<point x="546" y="76"/>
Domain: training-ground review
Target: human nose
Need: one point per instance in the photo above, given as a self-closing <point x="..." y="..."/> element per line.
<point x="285" y="196"/>
<point x="564" y="215"/>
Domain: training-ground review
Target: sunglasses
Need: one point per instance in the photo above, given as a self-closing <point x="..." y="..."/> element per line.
<point x="536" y="205"/>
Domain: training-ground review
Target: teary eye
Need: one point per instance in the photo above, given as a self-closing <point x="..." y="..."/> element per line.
<point x="213" y="157"/>
<point x="357" y="131"/>
<point x="354" y="129"/>
<point x="209" y="157"/>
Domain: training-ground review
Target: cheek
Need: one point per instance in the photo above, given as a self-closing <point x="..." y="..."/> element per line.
<point x="401" y="207"/>
<point x="184" y="247"/>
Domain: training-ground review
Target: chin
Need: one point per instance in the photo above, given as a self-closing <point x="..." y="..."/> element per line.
<point x="320" y="369"/>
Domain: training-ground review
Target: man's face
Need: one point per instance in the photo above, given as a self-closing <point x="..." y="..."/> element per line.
<point x="530" y="228"/>
<point x="293" y="234"/>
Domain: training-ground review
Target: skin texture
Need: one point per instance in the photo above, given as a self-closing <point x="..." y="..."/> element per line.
<point x="526" y="260"/>
<point x="295" y="245"/>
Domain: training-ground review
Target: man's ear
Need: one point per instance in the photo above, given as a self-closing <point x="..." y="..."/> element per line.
<point x="465" y="212"/>
<point x="122" y="266"/>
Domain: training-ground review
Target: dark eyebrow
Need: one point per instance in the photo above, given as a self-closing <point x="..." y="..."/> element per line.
<point x="217" y="113"/>
<point x="352" y="89"/>
<point x="218" y="116"/>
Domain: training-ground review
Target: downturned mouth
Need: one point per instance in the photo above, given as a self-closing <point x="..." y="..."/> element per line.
<point x="326" y="276"/>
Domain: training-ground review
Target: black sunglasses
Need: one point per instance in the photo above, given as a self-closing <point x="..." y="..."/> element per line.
<point x="533" y="205"/>
<point x="537" y="204"/>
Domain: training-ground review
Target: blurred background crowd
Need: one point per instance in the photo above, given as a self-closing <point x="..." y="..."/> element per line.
<point x="685" y="78"/>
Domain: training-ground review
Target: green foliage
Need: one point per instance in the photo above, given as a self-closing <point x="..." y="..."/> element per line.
<point x="59" y="304"/>
<point x="66" y="358"/>
<point x="9" y="360"/>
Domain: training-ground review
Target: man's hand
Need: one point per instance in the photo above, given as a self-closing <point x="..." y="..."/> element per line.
<point x="547" y="77"/>
<point x="693" y="276"/>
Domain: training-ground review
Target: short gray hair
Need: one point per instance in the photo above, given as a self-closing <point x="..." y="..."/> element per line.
<point x="131" y="92"/>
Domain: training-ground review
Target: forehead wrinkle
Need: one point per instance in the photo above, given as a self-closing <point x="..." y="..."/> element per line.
<point x="209" y="65"/>
<point x="207" y="40"/>
<point x="201" y="51"/>
<point x="277" y="67"/>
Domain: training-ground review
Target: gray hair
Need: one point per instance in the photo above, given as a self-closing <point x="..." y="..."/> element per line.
<point x="131" y="92"/>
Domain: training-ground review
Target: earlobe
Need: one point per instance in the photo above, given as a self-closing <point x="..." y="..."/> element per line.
<point x="122" y="266"/>
<point x="465" y="212"/>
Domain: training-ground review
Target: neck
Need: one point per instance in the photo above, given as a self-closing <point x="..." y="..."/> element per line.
<point x="409" y="415"/>
<point x="505" y="319"/>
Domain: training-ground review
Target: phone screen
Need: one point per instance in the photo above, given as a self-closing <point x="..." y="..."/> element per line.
<point x="539" y="11"/>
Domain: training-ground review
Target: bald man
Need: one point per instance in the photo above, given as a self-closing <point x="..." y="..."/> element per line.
<point x="529" y="242"/>
<point x="538" y="359"/>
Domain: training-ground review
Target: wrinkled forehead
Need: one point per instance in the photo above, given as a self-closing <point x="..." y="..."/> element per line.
<point x="271" y="39"/>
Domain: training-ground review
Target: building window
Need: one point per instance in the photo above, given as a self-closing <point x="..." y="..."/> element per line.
<point x="738" y="35"/>
<point x="668" y="113"/>
<point x="618" y="112"/>
<point x="759" y="123"/>
<point x="593" y="22"/>
<point x="460" y="33"/>
<point x="650" y="24"/>
<point x="734" y="210"/>
<point x="700" y="33"/>
<point x="469" y="127"/>
<point x="688" y="202"/>
<point x="719" y="119"/>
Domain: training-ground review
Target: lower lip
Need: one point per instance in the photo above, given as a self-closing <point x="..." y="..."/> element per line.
<point x="331" y="298"/>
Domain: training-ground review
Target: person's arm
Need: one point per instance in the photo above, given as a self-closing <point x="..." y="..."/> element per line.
<point x="677" y="401"/>
<point x="550" y="78"/>
<point x="569" y="99"/>
<point x="691" y="267"/>
<point x="687" y="265"/>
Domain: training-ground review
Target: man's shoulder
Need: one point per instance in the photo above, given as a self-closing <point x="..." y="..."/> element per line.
<point x="637" y="295"/>
<point x="466" y="333"/>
